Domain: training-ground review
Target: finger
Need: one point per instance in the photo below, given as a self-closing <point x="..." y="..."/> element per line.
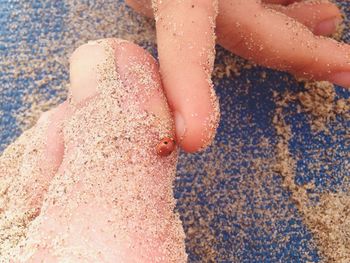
<point x="277" y="41"/>
<point x="322" y="18"/>
<point x="280" y="2"/>
<point x="115" y="191"/>
<point x="185" y="36"/>
<point x="143" y="7"/>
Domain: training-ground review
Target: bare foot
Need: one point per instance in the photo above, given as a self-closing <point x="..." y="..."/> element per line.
<point x="86" y="183"/>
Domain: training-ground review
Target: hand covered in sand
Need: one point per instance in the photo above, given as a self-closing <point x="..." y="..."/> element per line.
<point x="280" y="34"/>
<point x="86" y="184"/>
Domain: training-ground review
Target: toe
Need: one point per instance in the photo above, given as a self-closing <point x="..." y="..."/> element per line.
<point x="28" y="165"/>
<point x="41" y="159"/>
<point x="26" y="170"/>
<point x="134" y="68"/>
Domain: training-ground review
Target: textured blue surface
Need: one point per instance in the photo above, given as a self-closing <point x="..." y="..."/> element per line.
<point x="246" y="219"/>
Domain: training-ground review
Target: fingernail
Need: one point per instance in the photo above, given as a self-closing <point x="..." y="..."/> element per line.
<point x="327" y="27"/>
<point x="341" y="79"/>
<point x="180" y="126"/>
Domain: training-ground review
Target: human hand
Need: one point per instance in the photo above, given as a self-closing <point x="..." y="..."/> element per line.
<point x="280" y="34"/>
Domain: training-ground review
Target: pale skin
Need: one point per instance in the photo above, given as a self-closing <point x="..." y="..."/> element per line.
<point x="280" y="34"/>
<point x="81" y="224"/>
<point x="267" y="37"/>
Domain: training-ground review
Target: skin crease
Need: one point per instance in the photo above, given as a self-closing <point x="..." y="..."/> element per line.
<point x="280" y="34"/>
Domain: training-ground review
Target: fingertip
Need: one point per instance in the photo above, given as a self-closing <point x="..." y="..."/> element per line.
<point x="194" y="105"/>
<point x="341" y="79"/>
<point x="196" y="130"/>
<point x="327" y="17"/>
<point x="141" y="6"/>
<point x="327" y="27"/>
<point x="322" y="18"/>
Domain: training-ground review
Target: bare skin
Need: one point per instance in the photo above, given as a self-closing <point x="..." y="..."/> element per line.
<point x="87" y="178"/>
<point x="69" y="206"/>
<point x="286" y="35"/>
